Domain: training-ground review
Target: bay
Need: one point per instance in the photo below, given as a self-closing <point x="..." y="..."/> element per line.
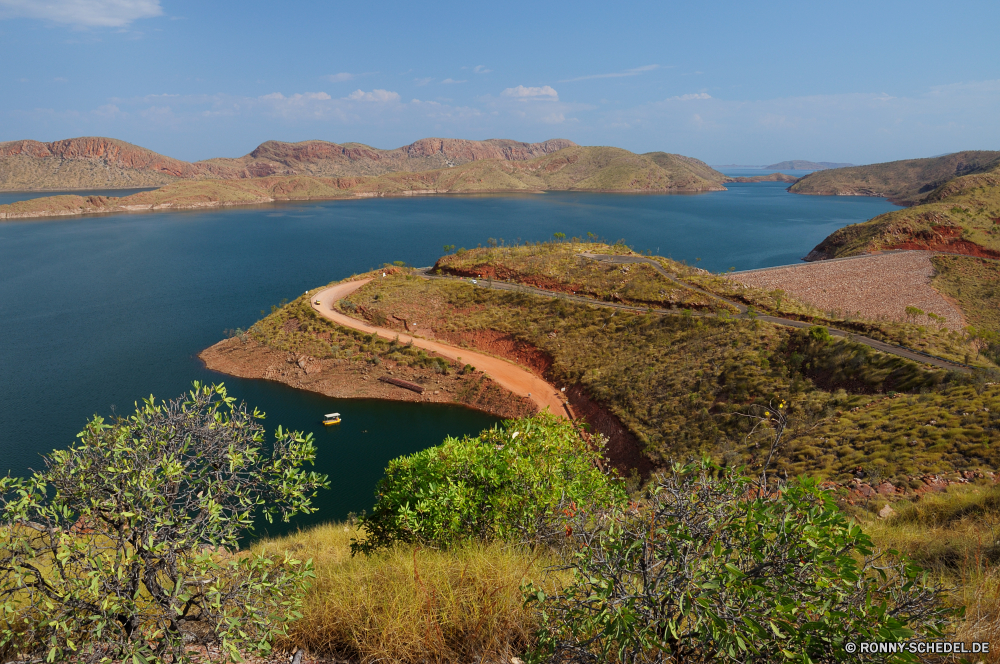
<point x="98" y="312"/>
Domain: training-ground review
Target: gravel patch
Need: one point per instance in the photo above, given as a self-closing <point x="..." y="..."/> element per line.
<point x="875" y="287"/>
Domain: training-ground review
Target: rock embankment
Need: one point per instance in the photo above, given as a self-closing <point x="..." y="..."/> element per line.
<point x="875" y="287"/>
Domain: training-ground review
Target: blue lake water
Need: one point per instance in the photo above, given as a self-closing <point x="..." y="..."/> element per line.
<point x="97" y="312"/>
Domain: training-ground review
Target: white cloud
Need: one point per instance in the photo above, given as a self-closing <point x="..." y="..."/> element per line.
<point x="338" y="78"/>
<point x="109" y="111"/>
<point x="628" y="72"/>
<point x="298" y="97"/>
<point x="521" y="92"/>
<point x="60" y="79"/>
<point x="82" y="13"/>
<point x="449" y="81"/>
<point x="422" y="81"/>
<point x="480" y="69"/>
<point x="692" y="96"/>
<point x="374" y="95"/>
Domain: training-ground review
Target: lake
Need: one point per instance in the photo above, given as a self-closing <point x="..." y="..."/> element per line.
<point x="98" y="312"/>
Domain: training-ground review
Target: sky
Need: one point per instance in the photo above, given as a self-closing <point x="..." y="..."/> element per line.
<point x="725" y="82"/>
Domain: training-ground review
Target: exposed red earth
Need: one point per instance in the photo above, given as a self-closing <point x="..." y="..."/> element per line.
<point x="508" y="375"/>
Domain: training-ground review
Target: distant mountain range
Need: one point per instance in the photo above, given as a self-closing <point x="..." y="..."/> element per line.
<point x="793" y="165"/>
<point x="107" y="163"/>
<point x="800" y="165"/>
<point x="319" y="170"/>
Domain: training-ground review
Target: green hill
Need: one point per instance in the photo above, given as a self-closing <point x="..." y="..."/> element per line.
<point x="905" y="182"/>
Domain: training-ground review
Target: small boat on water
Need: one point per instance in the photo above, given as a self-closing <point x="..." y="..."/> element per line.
<point x="331" y="418"/>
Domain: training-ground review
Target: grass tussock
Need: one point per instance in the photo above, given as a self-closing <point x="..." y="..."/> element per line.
<point x="413" y="604"/>
<point x="975" y="284"/>
<point x="896" y="439"/>
<point x="954" y="535"/>
<point x="558" y="266"/>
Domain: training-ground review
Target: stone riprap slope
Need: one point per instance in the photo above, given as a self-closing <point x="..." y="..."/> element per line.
<point x="873" y="287"/>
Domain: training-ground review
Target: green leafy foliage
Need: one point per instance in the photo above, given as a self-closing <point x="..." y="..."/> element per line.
<point x="126" y="546"/>
<point x="501" y="485"/>
<point x="715" y="567"/>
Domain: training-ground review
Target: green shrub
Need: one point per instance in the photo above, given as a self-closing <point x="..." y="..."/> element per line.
<point x="504" y="484"/>
<point x="123" y="549"/>
<point x="820" y="333"/>
<point x="718" y="568"/>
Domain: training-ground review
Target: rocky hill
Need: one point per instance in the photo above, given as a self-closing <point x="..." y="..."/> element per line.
<point x="90" y="162"/>
<point x="961" y="216"/>
<point x="570" y="169"/>
<point x="906" y="182"/>
<point x="107" y="163"/>
<point x="325" y="159"/>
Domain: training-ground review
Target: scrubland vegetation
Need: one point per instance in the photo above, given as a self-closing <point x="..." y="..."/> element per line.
<point x="516" y="542"/>
<point x="680" y="382"/>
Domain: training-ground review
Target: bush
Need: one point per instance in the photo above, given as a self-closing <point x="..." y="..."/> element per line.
<point x="504" y="484"/>
<point x="124" y="548"/>
<point x="717" y="568"/>
<point x="820" y="333"/>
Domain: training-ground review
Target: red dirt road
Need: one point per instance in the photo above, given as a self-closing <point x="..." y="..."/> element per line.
<point x="510" y="376"/>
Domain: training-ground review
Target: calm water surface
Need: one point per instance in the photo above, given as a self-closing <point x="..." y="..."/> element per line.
<point x="97" y="312"/>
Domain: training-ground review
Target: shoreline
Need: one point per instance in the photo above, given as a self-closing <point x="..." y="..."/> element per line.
<point x="348" y="380"/>
<point x="170" y="207"/>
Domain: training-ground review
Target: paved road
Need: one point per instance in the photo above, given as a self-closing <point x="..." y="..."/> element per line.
<point x="508" y="375"/>
<point x="891" y="349"/>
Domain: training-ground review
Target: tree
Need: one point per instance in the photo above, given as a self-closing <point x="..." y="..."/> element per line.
<point x="126" y="546"/>
<point x="913" y="313"/>
<point x="715" y="566"/>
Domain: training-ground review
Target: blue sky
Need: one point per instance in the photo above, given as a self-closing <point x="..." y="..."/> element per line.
<point x="726" y="82"/>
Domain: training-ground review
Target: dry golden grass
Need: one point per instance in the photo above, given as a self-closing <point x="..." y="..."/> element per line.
<point x="413" y="604"/>
<point x="954" y="535"/>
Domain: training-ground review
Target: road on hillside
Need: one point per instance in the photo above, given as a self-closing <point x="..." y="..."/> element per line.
<point x="508" y="375"/>
<point x="881" y="346"/>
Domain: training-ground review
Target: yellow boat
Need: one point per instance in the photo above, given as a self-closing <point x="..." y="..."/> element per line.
<point x="331" y="418"/>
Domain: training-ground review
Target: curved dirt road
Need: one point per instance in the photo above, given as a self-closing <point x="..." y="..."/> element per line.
<point x="508" y="375"/>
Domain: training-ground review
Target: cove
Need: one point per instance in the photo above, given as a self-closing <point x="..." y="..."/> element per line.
<point x="98" y="312"/>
